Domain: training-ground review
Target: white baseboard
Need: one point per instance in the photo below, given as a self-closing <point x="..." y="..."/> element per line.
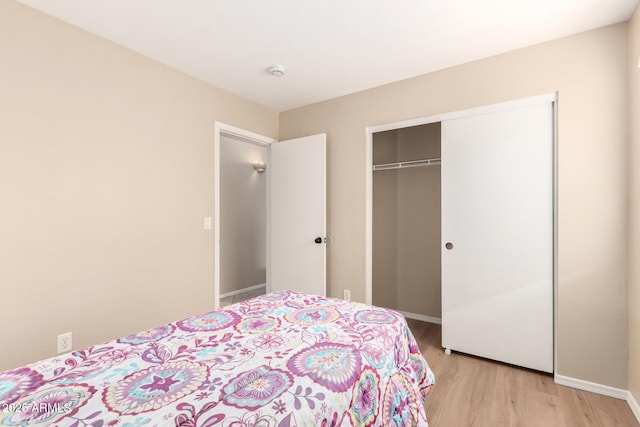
<point x="605" y="390"/>
<point x="633" y="404"/>
<point x="243" y="290"/>
<point x="420" y="317"/>
<point x="601" y="389"/>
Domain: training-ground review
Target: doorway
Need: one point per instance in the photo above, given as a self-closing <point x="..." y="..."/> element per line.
<point x="241" y="214"/>
<point x="243" y="210"/>
<point x="295" y="259"/>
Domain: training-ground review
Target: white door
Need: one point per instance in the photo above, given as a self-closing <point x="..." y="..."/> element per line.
<point x="298" y="215"/>
<point x="497" y="220"/>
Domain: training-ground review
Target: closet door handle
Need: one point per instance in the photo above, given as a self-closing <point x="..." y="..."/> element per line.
<point x="448" y="245"/>
<point x="318" y="240"/>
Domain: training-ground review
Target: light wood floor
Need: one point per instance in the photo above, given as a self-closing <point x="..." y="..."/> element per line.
<point x="470" y="391"/>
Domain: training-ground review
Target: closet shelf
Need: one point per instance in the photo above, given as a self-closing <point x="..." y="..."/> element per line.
<point x="408" y="164"/>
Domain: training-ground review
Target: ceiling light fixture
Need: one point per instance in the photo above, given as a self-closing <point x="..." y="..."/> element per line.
<point x="277" y="70"/>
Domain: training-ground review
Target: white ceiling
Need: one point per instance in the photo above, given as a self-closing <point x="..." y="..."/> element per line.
<point x="329" y="47"/>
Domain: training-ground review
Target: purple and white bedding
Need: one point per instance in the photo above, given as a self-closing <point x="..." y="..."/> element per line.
<point x="282" y="359"/>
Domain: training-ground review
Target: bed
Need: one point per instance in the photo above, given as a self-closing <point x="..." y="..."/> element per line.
<point x="282" y="359"/>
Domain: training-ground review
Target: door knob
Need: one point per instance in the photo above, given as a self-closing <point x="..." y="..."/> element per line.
<point x="448" y="245"/>
<point x="318" y="240"/>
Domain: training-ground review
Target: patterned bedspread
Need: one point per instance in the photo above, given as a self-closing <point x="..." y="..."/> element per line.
<point x="282" y="359"/>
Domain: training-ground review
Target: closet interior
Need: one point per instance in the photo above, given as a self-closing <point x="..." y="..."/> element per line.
<point x="407" y="221"/>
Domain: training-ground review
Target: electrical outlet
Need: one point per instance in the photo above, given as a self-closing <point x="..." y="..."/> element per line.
<point x="64" y="343"/>
<point x="207" y="223"/>
<point x="347" y="295"/>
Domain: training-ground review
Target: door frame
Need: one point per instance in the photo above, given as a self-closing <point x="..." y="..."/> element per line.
<point x="250" y="137"/>
<point x="370" y="130"/>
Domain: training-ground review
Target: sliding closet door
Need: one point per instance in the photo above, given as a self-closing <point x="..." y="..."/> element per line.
<point x="497" y="235"/>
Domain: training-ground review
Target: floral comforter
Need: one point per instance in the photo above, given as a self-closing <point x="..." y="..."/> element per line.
<point x="282" y="359"/>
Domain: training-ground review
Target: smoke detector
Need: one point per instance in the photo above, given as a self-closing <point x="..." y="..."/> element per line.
<point x="277" y="70"/>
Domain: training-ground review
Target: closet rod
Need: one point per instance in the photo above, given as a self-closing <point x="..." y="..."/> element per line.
<point x="408" y="164"/>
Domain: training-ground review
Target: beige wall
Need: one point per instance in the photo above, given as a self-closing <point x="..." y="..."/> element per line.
<point x="385" y="222"/>
<point x="634" y="212"/>
<point x="419" y="223"/>
<point x="243" y="215"/>
<point x="589" y="72"/>
<point x="406" y="222"/>
<point x="106" y="173"/>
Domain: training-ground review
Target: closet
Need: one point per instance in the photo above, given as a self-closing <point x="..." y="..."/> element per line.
<point x="406" y="221"/>
<point x="484" y="263"/>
